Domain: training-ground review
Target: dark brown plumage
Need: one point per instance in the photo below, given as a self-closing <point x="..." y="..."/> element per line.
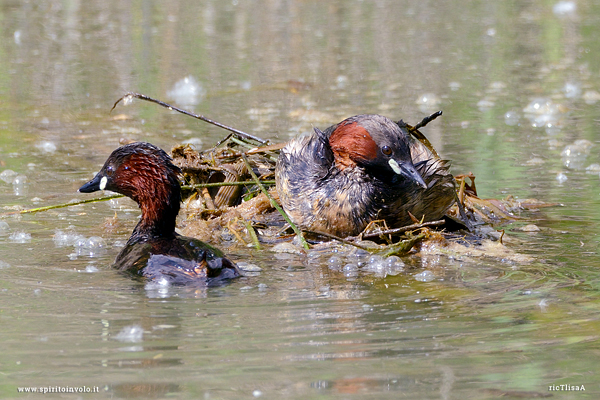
<point x="367" y="167"/>
<point x="146" y="174"/>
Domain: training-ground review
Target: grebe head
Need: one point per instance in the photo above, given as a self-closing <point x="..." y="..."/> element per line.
<point x="376" y="144"/>
<point x="146" y="174"/>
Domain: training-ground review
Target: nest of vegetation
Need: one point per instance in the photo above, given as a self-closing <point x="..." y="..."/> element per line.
<point x="229" y="195"/>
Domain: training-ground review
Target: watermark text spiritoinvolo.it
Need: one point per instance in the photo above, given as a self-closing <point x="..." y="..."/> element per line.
<point x="59" y="389"/>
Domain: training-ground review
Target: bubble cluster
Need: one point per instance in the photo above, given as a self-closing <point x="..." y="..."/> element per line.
<point x="542" y="112"/>
<point x="67" y="237"/>
<point x="382" y="267"/>
<point x="358" y="260"/>
<point x="94" y="246"/>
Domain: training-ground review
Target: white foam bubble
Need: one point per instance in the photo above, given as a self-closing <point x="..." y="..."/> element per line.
<point x="425" y="276"/>
<point x="46" y="147"/>
<point x="130" y="334"/>
<point x="575" y="154"/>
<point x="20" y="237"/>
<point x="564" y="8"/>
<point x="561" y="177"/>
<point x="572" y="90"/>
<point x="187" y="92"/>
<point x="8" y="175"/>
<point x="512" y="118"/>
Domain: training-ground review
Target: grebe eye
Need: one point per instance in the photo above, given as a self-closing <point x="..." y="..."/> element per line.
<point x="387" y="150"/>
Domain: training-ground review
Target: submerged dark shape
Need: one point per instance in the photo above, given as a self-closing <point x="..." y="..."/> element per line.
<point x="146" y="174"/>
<point x="365" y="168"/>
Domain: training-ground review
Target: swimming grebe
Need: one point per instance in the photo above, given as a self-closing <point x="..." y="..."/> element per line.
<point x="146" y="174"/>
<point x="365" y="168"/>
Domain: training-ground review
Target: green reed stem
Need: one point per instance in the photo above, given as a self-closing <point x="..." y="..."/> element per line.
<point x="297" y="231"/>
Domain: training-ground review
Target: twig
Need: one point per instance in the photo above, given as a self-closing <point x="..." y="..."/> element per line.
<point x="219" y="184"/>
<point x="339" y="239"/>
<point x="76" y="203"/>
<point x="414" y="130"/>
<point x="116" y="196"/>
<point x="404" y="228"/>
<point x="140" y="96"/>
<point x="403" y="247"/>
<point x="275" y="205"/>
<point x="427" y="120"/>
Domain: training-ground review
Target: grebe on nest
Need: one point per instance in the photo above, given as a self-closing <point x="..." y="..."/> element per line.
<point x="365" y="168"/>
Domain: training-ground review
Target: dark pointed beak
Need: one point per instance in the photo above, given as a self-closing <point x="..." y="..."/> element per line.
<point x="408" y="170"/>
<point x="92" y="186"/>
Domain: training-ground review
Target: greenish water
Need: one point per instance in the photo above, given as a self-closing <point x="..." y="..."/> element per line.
<point x="472" y="327"/>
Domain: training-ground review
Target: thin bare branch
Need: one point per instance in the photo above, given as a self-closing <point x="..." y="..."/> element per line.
<point x="140" y="96"/>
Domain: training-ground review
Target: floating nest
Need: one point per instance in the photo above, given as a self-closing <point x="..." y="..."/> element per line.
<point x="230" y="194"/>
<point x="230" y="197"/>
